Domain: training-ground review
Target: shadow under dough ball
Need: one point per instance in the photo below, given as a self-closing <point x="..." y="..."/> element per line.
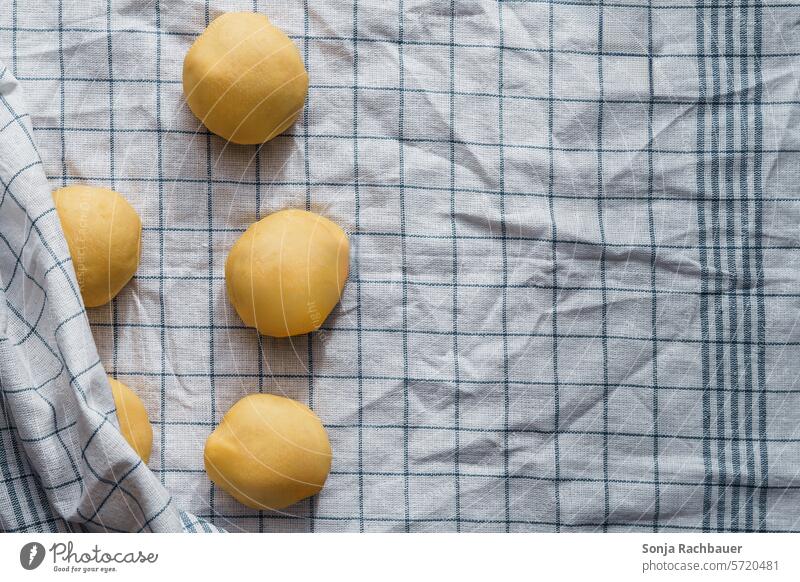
<point x="268" y="452"/>
<point x="244" y="78"/>
<point x="133" y="422"/>
<point x="287" y="271"/>
<point x="103" y="234"/>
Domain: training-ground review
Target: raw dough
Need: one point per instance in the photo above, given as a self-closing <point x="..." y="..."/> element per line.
<point x="244" y="78"/>
<point x="133" y="422"/>
<point x="286" y="272"/>
<point x="268" y="452"/>
<point x="103" y="233"/>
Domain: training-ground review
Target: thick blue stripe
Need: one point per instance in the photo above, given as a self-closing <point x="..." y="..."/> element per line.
<point x="733" y="283"/>
<point x="758" y="235"/>
<point x="747" y="281"/>
<point x="719" y="367"/>
<point x="701" y="233"/>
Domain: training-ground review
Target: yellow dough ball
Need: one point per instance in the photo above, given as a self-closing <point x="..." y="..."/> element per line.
<point x="244" y="78"/>
<point x="103" y="233"/>
<point x="286" y="272"/>
<point x="133" y="422"/>
<point x="268" y="452"/>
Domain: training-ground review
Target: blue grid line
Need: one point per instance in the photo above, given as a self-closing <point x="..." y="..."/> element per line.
<point x="527" y="285"/>
<point x="161" y="221"/>
<point x="676" y="6"/>
<point x="489" y="334"/>
<point x="416" y="379"/>
<point x="210" y="223"/>
<point x="508" y="237"/>
<point x="404" y="271"/>
<point x="504" y="285"/>
<point x="701" y="229"/>
<point x="425" y="140"/>
<point x="604" y="300"/>
<point x="62" y="89"/>
<point x="653" y="251"/>
<point x="579" y="526"/>
<point x="554" y="254"/>
<point x="359" y="322"/>
<point x="421" y="187"/>
<point x="492" y="476"/>
<point x="437" y="44"/>
<point x="307" y="172"/>
<point x="14" y="37"/>
<point x="111" y="173"/>
<point x="453" y="230"/>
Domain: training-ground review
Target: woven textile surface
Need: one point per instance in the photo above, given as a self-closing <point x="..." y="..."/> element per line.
<point x="573" y="296"/>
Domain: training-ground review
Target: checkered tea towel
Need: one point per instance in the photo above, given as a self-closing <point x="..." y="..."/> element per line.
<point x="573" y="299"/>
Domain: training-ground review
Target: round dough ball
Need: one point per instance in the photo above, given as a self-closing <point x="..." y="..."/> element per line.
<point x="103" y="233"/>
<point x="268" y="452"/>
<point x="244" y="78"/>
<point x="286" y="272"/>
<point x="133" y="422"/>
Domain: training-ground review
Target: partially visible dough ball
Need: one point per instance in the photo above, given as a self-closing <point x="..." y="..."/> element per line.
<point x="133" y="422"/>
<point x="286" y="272"/>
<point x="244" y="78"/>
<point x="268" y="452"/>
<point x="103" y="233"/>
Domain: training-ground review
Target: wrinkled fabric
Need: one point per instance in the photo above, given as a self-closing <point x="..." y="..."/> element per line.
<point x="64" y="464"/>
<point x="573" y="294"/>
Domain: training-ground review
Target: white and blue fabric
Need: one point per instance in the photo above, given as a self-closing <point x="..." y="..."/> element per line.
<point x="575" y="277"/>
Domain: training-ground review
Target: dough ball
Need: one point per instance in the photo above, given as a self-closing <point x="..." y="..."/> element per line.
<point x="286" y="272"/>
<point x="244" y="78"/>
<point x="268" y="452"/>
<point x="133" y="422"/>
<point x="103" y="233"/>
